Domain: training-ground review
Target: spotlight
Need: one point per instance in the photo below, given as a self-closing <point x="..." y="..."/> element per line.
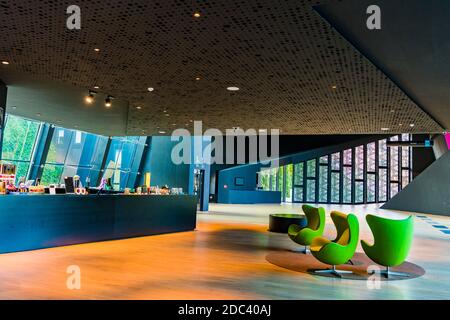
<point x="5" y="63"/>
<point x="108" y="102"/>
<point x="90" y="97"/>
<point x="197" y="15"/>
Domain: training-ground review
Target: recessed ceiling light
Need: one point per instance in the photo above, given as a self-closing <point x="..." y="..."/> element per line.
<point x="162" y="132"/>
<point x="197" y="15"/>
<point x="138" y="107"/>
<point x="385" y="129"/>
<point x="5" y="62"/>
<point x="411" y="125"/>
<point x="233" y="89"/>
<point x="97" y="50"/>
<point x="174" y="124"/>
<point x="150" y="89"/>
<point x="333" y="87"/>
<point x="197" y="78"/>
<point x="400" y="124"/>
<point x="96" y="87"/>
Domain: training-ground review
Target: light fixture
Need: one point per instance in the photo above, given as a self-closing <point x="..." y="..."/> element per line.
<point x="334" y="87"/>
<point x="14" y="107"/>
<point x="5" y="62"/>
<point x="385" y="129"/>
<point x="411" y="125"/>
<point x="233" y="89"/>
<point x="138" y="107"/>
<point x="197" y="15"/>
<point x="150" y="89"/>
<point x="96" y="87"/>
<point x="38" y="114"/>
<point x="90" y="97"/>
<point x="198" y="78"/>
<point x="167" y="115"/>
<point x="162" y="132"/>
<point x="97" y="50"/>
<point x="108" y="102"/>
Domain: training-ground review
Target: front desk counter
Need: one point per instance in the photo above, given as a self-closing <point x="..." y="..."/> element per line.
<point x="30" y="222"/>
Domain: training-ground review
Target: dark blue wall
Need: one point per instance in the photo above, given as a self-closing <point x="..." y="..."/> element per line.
<point x="163" y="170"/>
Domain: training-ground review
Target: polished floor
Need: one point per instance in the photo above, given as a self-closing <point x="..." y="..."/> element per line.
<point x="225" y="258"/>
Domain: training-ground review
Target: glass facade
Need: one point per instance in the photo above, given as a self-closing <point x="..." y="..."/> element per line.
<point x="364" y="174"/>
<point x="19" y="140"/>
<point x="72" y="152"/>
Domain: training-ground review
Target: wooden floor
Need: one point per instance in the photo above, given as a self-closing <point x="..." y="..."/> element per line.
<point x="225" y="258"/>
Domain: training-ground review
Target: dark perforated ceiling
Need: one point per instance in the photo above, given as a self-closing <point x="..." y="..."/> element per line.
<point x="294" y="72"/>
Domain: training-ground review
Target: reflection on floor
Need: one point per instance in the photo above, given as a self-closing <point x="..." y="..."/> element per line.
<point x="224" y="259"/>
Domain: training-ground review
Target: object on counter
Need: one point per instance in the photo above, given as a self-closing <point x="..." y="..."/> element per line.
<point x="69" y="184"/>
<point x="81" y="191"/>
<point x="36" y="189"/>
<point x="147" y="179"/>
<point x="138" y="190"/>
<point x="2" y="187"/>
<point x="126" y="191"/>
<point x="52" y="189"/>
<point x="77" y="182"/>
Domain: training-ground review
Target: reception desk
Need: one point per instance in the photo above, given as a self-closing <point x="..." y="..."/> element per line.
<point x="30" y="222"/>
<point x="250" y="196"/>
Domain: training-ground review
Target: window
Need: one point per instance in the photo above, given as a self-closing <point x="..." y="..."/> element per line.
<point x="368" y="173"/>
<point x="123" y="153"/>
<point x="19" y="139"/>
<point x="289" y="172"/>
<point x="72" y="153"/>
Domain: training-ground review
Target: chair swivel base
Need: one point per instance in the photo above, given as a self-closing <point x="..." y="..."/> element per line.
<point x="333" y="271"/>
<point x="387" y="273"/>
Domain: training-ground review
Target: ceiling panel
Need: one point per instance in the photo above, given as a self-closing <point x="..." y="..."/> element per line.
<point x="294" y="71"/>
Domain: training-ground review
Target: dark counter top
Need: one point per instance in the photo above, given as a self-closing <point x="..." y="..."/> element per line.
<point x="34" y="221"/>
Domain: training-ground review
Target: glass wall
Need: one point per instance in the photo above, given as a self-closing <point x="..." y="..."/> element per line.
<point x="71" y="152"/>
<point x="365" y="174"/>
<point x="119" y="161"/>
<point x="19" y="140"/>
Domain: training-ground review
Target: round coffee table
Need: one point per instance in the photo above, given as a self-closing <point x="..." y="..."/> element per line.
<point x="280" y="222"/>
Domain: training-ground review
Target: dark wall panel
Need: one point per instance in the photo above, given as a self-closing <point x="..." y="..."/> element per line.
<point x="427" y="193"/>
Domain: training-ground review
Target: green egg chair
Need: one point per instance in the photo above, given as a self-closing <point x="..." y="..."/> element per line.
<point x="316" y="224"/>
<point x="340" y="250"/>
<point x="392" y="242"/>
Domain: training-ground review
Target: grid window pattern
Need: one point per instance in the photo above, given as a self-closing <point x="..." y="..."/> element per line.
<point x="368" y="173"/>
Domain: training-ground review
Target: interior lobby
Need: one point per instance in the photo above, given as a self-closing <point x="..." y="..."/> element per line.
<point x="224" y="150"/>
